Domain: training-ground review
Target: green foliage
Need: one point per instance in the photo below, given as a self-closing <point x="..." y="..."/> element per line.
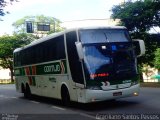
<point x="157" y="58"/>
<point x="151" y="46"/>
<point x="139" y="17"/>
<point x="4" y="3"/>
<point x="20" y="25"/>
<point x="7" y="46"/>
<point x="9" y="43"/>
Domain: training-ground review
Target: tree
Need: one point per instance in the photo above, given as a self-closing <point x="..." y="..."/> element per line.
<point x="151" y="45"/>
<point x="7" y="46"/>
<point x="139" y="17"/>
<point x="157" y="59"/>
<point x="4" y="3"/>
<point x="20" y="25"/>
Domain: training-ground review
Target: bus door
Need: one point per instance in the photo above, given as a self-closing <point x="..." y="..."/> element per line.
<point x="75" y="65"/>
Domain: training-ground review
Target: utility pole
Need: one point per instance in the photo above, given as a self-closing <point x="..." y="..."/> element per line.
<point x="54" y="25"/>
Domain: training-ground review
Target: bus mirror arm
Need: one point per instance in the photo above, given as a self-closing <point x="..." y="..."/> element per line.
<point x="79" y="50"/>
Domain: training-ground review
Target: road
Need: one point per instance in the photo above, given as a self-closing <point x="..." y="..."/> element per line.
<point x="14" y="106"/>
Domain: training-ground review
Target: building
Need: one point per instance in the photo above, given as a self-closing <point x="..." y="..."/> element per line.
<point x="89" y="22"/>
<point x="4" y="76"/>
<point x="149" y="73"/>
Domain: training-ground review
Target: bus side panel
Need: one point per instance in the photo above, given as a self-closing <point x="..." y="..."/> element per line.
<point x="36" y="88"/>
<point x="51" y="86"/>
<point x="19" y="80"/>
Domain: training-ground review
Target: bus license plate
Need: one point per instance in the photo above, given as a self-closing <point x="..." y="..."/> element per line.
<point x="117" y="93"/>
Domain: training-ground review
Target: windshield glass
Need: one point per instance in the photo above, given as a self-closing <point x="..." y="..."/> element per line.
<point x="104" y="35"/>
<point x="94" y="60"/>
<point x="109" y="61"/>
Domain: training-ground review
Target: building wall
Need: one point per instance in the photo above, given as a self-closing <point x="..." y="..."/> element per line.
<point x="148" y="74"/>
<point x="4" y="76"/>
<point x="89" y="23"/>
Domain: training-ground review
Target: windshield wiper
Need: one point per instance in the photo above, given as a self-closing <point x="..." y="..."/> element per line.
<point x="106" y="37"/>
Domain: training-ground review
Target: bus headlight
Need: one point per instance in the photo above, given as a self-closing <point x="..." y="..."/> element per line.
<point x="135" y="94"/>
<point x="94" y="87"/>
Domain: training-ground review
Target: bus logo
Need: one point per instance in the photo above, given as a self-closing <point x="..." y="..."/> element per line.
<point x="52" y="68"/>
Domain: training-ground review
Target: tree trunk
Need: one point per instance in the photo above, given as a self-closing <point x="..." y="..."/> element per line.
<point x="12" y="74"/>
<point x="158" y="74"/>
<point x="141" y="77"/>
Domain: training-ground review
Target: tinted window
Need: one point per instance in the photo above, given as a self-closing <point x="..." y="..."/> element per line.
<point x="75" y="65"/>
<point x="109" y="61"/>
<point x="104" y="35"/>
<point x="49" y="50"/>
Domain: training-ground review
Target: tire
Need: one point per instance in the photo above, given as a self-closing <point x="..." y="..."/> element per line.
<point x="22" y="88"/>
<point x="65" y="97"/>
<point x="27" y="92"/>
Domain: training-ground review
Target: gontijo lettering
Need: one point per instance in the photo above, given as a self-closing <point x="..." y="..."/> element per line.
<point x="52" y="68"/>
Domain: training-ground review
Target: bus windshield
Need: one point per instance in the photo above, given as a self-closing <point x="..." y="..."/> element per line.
<point x="108" y="55"/>
<point x="104" y="35"/>
<point x="109" y="61"/>
<point x="94" y="60"/>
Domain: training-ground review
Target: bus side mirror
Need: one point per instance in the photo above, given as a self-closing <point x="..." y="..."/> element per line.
<point x="79" y="50"/>
<point x="139" y="47"/>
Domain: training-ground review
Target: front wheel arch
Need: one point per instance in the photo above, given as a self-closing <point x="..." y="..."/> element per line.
<point x="27" y="93"/>
<point x="22" y="88"/>
<point x="65" y="96"/>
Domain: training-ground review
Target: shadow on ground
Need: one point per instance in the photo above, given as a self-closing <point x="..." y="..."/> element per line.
<point x="111" y="104"/>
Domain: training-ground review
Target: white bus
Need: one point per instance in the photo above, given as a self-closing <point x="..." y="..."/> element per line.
<point x="83" y="65"/>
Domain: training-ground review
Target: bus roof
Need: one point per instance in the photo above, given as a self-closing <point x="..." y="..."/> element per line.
<point x="53" y="35"/>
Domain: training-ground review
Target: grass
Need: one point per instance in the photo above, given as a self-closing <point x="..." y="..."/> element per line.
<point x="4" y="83"/>
<point x="150" y="84"/>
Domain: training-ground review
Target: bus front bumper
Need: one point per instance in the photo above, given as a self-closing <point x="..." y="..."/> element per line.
<point x="101" y="95"/>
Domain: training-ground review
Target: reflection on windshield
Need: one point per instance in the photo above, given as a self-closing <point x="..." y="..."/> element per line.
<point x="94" y="59"/>
<point x="108" y="54"/>
<point x="111" y="61"/>
<point x="104" y="36"/>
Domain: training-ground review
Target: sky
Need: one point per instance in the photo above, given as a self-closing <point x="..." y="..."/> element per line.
<point x="64" y="10"/>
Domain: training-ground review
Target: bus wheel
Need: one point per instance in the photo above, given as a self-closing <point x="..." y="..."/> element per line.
<point x="65" y="96"/>
<point x="22" y="88"/>
<point x="27" y="92"/>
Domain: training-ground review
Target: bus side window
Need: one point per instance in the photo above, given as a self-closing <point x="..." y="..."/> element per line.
<point x="60" y="49"/>
<point x="57" y="50"/>
<point x="74" y="63"/>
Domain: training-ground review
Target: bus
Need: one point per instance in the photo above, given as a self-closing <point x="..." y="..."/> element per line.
<point x="84" y="65"/>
